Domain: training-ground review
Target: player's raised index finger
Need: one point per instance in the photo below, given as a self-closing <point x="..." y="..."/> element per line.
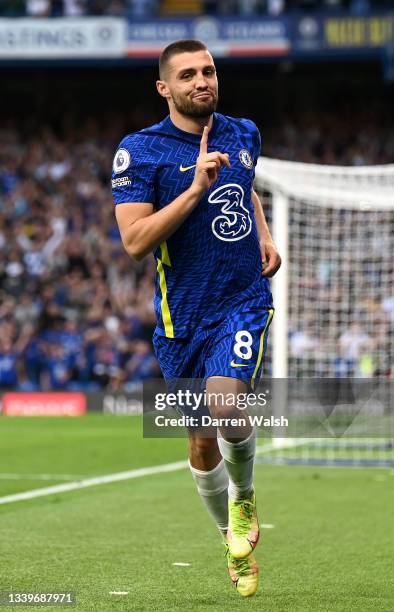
<point x="204" y="141"/>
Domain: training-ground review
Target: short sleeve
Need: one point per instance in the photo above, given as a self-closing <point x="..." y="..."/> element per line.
<point x="256" y="140"/>
<point x="133" y="171"/>
<point x="256" y="144"/>
<point x="252" y="133"/>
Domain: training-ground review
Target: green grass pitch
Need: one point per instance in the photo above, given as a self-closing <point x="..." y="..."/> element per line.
<point x="330" y="549"/>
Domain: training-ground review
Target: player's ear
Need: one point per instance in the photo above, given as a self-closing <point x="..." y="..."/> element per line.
<point x="162" y="88"/>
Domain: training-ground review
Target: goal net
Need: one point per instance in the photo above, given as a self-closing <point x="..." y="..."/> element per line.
<point x="334" y="295"/>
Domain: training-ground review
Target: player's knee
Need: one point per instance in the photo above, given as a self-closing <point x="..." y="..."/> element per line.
<point x="223" y="412"/>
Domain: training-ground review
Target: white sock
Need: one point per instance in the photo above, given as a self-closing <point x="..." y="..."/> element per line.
<point x="213" y="489"/>
<point x="239" y="459"/>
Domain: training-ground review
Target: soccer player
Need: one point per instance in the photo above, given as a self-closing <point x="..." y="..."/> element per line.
<point x="183" y="189"/>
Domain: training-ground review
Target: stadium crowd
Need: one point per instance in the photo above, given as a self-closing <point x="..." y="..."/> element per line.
<point x="349" y="138"/>
<point x="75" y="311"/>
<point x="151" y="8"/>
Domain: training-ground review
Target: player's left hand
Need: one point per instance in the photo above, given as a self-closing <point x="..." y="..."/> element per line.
<point x="271" y="259"/>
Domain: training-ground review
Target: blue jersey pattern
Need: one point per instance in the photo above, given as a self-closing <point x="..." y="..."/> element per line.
<point x="212" y="264"/>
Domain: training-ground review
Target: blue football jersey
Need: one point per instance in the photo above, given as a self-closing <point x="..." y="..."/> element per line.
<point x="211" y="264"/>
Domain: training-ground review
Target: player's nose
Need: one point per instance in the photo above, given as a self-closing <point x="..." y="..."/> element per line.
<point x="201" y="81"/>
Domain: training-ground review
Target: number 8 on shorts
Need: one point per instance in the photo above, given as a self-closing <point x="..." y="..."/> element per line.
<point x="243" y="344"/>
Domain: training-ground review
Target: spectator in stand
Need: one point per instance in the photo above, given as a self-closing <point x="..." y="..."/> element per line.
<point x="38" y="8"/>
<point x="142" y="363"/>
<point x="8" y="364"/>
<point x="303" y="344"/>
<point x="275" y="7"/>
<point x="74" y="8"/>
<point x="149" y="8"/>
<point x="354" y="341"/>
<point x="116" y="8"/>
<point x="143" y="8"/>
<point x="249" y="7"/>
<point x="57" y="370"/>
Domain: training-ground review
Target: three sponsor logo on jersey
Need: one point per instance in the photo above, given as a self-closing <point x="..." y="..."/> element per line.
<point x="234" y="222"/>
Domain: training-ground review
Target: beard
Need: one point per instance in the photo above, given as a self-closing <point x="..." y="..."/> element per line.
<point x="195" y="109"/>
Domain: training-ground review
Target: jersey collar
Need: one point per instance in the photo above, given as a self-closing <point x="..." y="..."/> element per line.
<point x="195" y="138"/>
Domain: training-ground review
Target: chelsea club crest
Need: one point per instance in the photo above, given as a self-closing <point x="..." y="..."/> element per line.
<point x="246" y="159"/>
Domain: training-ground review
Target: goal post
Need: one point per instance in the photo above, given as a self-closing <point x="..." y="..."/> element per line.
<point x="334" y="306"/>
<point x="334" y="295"/>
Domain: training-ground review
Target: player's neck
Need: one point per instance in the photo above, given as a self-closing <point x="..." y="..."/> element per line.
<point x="190" y="124"/>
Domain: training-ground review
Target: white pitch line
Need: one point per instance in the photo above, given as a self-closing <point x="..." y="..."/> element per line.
<point x="119" y="592"/>
<point x="117" y="477"/>
<point x="267" y="526"/>
<point x="91" y="482"/>
<point x="180" y="564"/>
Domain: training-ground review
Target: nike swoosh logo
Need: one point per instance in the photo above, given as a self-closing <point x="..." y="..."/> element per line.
<point x="238" y="365"/>
<point x="186" y="168"/>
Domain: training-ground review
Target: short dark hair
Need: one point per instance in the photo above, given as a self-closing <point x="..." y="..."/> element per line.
<point x="179" y="46"/>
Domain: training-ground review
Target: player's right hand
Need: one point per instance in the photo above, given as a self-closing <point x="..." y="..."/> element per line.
<point x="208" y="164"/>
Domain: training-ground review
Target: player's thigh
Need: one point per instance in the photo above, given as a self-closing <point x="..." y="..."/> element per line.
<point x="173" y="357"/>
<point x="222" y="393"/>
<point x="239" y="347"/>
<point x="182" y="364"/>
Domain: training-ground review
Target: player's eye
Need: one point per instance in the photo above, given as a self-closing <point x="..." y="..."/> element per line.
<point x="186" y="75"/>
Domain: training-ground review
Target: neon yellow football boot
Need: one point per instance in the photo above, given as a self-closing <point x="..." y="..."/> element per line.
<point x="243" y="528"/>
<point x="244" y="573"/>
